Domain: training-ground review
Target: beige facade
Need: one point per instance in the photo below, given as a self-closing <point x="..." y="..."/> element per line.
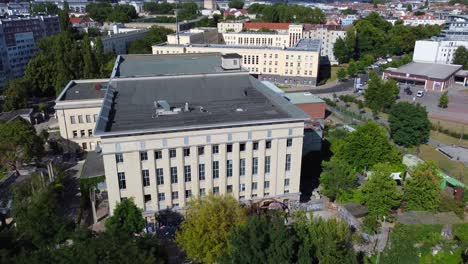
<point x="289" y="66"/>
<point x="235" y="146"/>
<point x="326" y="34"/>
<point x="77" y="116"/>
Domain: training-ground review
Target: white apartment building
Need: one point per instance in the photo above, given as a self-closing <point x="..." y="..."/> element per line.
<point x="200" y="35"/>
<point x="171" y="127"/>
<point x="292" y="65"/>
<point x="437" y="50"/>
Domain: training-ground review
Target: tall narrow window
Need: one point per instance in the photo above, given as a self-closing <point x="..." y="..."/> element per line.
<point x="122" y="182"/>
<point x="72" y="120"/>
<point x="146" y="178"/>
<point x="158" y="154"/>
<point x="289" y="142"/>
<point x="201" y="172"/>
<point x="229" y="168"/>
<point x="159" y="176"/>
<point x="216" y="170"/>
<point x="118" y="157"/>
<point x="288" y="162"/>
<point x="267" y="164"/>
<point x="161" y="196"/>
<point x="254" y="166"/>
<point x="215" y="149"/>
<point x="143" y="155"/>
<point x="242" y="167"/>
<point x="173" y="174"/>
<point x="172" y="153"/>
<point x="187" y="173"/>
<point x="186" y="152"/>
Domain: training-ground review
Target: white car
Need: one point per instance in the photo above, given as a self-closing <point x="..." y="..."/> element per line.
<point x="420" y="93"/>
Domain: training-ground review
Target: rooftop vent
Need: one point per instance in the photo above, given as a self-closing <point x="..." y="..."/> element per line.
<point x="231" y="61"/>
<point x="162" y="108"/>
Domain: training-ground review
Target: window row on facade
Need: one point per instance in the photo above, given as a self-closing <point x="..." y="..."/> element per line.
<point x="202" y="171"/>
<point x="79" y="118"/>
<point x="200" y="150"/>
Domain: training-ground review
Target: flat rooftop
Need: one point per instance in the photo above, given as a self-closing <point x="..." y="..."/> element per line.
<point x="170" y="64"/>
<point x="215" y="100"/>
<point x="431" y="70"/>
<point x="84" y="90"/>
<point x="303" y="98"/>
<point x="302" y="45"/>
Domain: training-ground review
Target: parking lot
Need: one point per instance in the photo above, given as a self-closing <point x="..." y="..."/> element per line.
<point x="456" y="111"/>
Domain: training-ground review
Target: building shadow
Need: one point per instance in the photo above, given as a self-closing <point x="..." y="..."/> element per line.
<point x="311" y="169"/>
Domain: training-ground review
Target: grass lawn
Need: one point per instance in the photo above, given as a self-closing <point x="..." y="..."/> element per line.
<point x="453" y="168"/>
<point x="450" y="125"/>
<point x="333" y="71"/>
<point x="446" y="139"/>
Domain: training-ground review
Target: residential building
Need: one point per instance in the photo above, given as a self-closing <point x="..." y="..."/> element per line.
<point x="349" y="20"/>
<point x="209" y="4"/>
<point x="18" y="37"/>
<point x="437" y="50"/>
<point x="230" y="26"/>
<point x="120" y="42"/>
<point x="200" y="35"/>
<point x="172" y="127"/>
<point x="293" y="65"/>
<point x="287" y="35"/>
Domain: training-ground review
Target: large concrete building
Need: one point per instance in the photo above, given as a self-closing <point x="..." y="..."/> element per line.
<point x="293" y="65"/>
<point x="175" y="126"/>
<point x="18" y="37"/>
<point x="120" y="42"/>
<point x="282" y="35"/>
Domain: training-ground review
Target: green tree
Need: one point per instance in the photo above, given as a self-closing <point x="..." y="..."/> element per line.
<point x="461" y="57"/>
<point x="238" y="4"/>
<point x="264" y="239"/>
<point x="409" y="124"/>
<point x="209" y="219"/>
<point x="352" y="68"/>
<point x="341" y="74"/>
<point x="323" y="241"/>
<point x="380" y="95"/>
<point x="154" y="36"/>
<point x="256" y="8"/>
<point x="44" y="8"/>
<point x="409" y="8"/>
<point x="89" y="60"/>
<point x="367" y="146"/>
<point x="18" y="143"/>
<point x="444" y="100"/>
<point x="127" y="219"/>
<point x="16" y="95"/>
<point x="422" y="190"/>
<point x="35" y="208"/>
<point x="337" y="178"/>
<point x="64" y="19"/>
<point x="341" y="51"/>
<point x="380" y="193"/>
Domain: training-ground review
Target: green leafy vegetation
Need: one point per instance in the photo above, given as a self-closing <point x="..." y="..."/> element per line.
<point x="209" y="219"/>
<point x="48" y="8"/>
<point x="338" y="178"/>
<point x="238" y="4"/>
<point x="444" y="100"/>
<point x="127" y="219"/>
<point x="288" y="13"/>
<point x="409" y="124"/>
<point x="380" y="95"/>
<point x="155" y="35"/>
<point x="377" y="37"/>
<point x="105" y="12"/>
<point x="159" y="8"/>
<point x="422" y="190"/>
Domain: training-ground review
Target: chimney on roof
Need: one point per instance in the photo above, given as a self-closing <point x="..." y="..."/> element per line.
<point x="186" y="107"/>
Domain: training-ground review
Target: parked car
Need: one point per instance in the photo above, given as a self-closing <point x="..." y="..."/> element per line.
<point x="420" y="93"/>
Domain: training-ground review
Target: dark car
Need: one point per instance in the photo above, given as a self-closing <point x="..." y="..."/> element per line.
<point x="408" y="91"/>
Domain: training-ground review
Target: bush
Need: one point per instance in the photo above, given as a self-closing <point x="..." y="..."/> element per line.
<point x="329" y="102"/>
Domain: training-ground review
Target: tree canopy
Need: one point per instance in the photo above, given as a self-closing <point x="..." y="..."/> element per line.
<point x="238" y="4"/>
<point x="288" y="13"/>
<point x="422" y="190"/>
<point x="209" y="219"/>
<point x="105" y="12"/>
<point x="127" y="219"/>
<point x="16" y="95"/>
<point x="367" y="146"/>
<point x="263" y="239"/>
<point x="409" y="124"/>
<point x="375" y="36"/>
<point x="324" y="241"/>
<point x="18" y="143"/>
<point x="155" y="35"/>
<point x="380" y="95"/>
<point x="460" y="57"/>
<point x="337" y="178"/>
<point x="48" y="8"/>
<point x="444" y="100"/>
<point x="380" y="193"/>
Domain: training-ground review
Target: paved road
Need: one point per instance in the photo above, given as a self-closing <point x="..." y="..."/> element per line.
<point x="457" y="109"/>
